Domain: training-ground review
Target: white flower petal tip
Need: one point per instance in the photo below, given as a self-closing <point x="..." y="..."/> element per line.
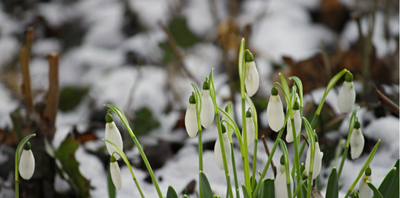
<point x="347" y="97"/>
<point x="112" y="133"/>
<point x="207" y="109"/>
<point x="297" y="123"/>
<point x="317" y="161"/>
<point x="116" y="175"/>
<point x="275" y="115"/>
<point x="252" y="79"/>
<point x="364" y="190"/>
<point x="26" y="165"/>
<point x="250" y="131"/>
<point x="191" y="120"/>
<point x="280" y="183"/>
<point x="356" y="143"/>
<point x="218" y="152"/>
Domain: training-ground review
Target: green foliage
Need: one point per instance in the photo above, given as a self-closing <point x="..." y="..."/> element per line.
<point x="205" y="186"/>
<point x="332" y="189"/>
<point x="390" y="184"/>
<point x="112" y="191"/>
<point x="144" y="121"/>
<point x="267" y="188"/>
<point x="245" y="194"/>
<point x="171" y="192"/>
<point x="70" y="97"/>
<point x="66" y="155"/>
<point x="377" y="194"/>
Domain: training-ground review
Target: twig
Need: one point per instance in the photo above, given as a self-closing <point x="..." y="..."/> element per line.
<point x="178" y="54"/>
<point x="268" y="153"/>
<point x="386" y="101"/>
<point x="26" y="80"/>
<point x="305" y="139"/>
<point x="50" y="111"/>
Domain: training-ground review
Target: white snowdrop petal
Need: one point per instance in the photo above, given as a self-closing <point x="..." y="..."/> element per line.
<point x="364" y="190"/>
<point x="275" y="115"/>
<point x="356" y="143"/>
<point x="280" y="183"/>
<point x="191" y="120"/>
<point x="252" y="79"/>
<point x="250" y="130"/>
<point x="26" y="165"/>
<point x="116" y="175"/>
<point x="289" y="132"/>
<point x="347" y="97"/>
<point x="218" y="153"/>
<point x="112" y="133"/>
<point x="207" y="109"/>
<point x="297" y="123"/>
<point x="318" y="155"/>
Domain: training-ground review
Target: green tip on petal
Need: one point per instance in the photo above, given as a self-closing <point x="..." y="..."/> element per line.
<point x="206" y="85"/>
<point x="368" y="171"/>
<point x="349" y="77"/>
<point x="283" y="160"/>
<point x="27" y="146"/>
<point x="296" y="106"/>
<point x="304" y="176"/>
<point x="112" y="159"/>
<point x="249" y="57"/>
<point x="192" y="99"/>
<point x="357" y="125"/>
<point x="227" y="109"/>
<point x="223" y="129"/>
<point x="248" y="113"/>
<point x="109" y="118"/>
<point x="274" y="91"/>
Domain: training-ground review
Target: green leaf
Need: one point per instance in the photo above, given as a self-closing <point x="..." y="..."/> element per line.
<point x="171" y="193"/>
<point x="245" y="194"/>
<point x="332" y="189"/>
<point x="205" y="186"/>
<point x="183" y="36"/>
<point x="299" y="86"/>
<point x="377" y="194"/>
<point x="112" y="191"/>
<point x="390" y="184"/>
<point x="144" y="121"/>
<point x="197" y="96"/>
<point x="66" y="155"/>
<point x="267" y="188"/>
<point x="70" y="97"/>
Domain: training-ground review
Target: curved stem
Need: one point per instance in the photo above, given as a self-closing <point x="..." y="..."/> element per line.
<point x="234" y="172"/>
<point x="17" y="156"/>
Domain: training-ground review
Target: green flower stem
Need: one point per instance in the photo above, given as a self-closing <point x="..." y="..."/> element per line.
<point x="351" y="126"/>
<point x="310" y="134"/>
<point x="285" y="154"/>
<point x="17" y="156"/>
<point x="121" y="115"/>
<point x="255" y="120"/>
<point x="296" y="151"/>
<point x="370" y="157"/>
<point x="123" y="156"/>
<point x="269" y="158"/>
<point x="234" y="172"/>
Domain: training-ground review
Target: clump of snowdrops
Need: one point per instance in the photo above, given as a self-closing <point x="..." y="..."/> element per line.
<point x="291" y="180"/>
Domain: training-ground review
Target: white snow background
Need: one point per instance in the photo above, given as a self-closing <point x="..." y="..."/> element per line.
<point x="98" y="63"/>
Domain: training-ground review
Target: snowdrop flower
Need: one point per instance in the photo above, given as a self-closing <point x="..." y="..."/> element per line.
<point x="275" y="115"/>
<point x="364" y="190"/>
<point x="280" y="181"/>
<point x="115" y="172"/>
<point x="26" y="165"/>
<point x="356" y="141"/>
<point x="252" y="80"/>
<point x="191" y="118"/>
<point x="112" y="133"/>
<point x="218" y="152"/>
<point x="250" y="129"/>
<point x="297" y="123"/>
<point x="207" y="106"/>
<point x="317" y="160"/>
<point x="347" y="95"/>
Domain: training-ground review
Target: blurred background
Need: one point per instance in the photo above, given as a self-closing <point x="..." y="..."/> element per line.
<point x="142" y="55"/>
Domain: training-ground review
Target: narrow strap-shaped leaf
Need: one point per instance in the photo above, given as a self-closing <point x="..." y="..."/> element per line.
<point x="377" y="194"/>
<point x="332" y="189"/>
<point x="198" y="97"/>
<point x="205" y="186"/>
<point x="390" y="184"/>
<point x="299" y="86"/>
<point x="245" y="194"/>
<point x="267" y="188"/>
<point x="171" y="193"/>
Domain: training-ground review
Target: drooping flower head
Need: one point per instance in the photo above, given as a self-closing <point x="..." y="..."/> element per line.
<point x="317" y="160"/>
<point x="112" y="133"/>
<point x="26" y="165"/>
<point x="252" y="79"/>
<point x="280" y="181"/>
<point x="207" y="106"/>
<point x="364" y="190"/>
<point x="191" y="117"/>
<point x="250" y="128"/>
<point x="227" y="149"/>
<point x="297" y="123"/>
<point x="347" y="95"/>
<point x="275" y="115"/>
<point x="115" y="172"/>
<point x="356" y="141"/>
